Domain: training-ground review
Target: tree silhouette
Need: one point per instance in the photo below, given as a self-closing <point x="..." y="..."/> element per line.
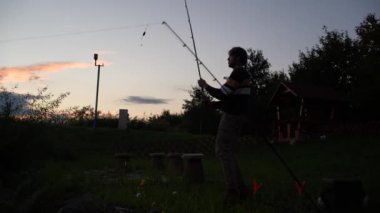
<point x="366" y="97"/>
<point x="330" y="63"/>
<point x="348" y="65"/>
<point x="198" y="108"/>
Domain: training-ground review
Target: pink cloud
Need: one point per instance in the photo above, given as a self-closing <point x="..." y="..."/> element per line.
<point x="31" y="72"/>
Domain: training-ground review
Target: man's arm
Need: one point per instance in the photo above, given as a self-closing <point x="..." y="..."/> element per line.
<point x="237" y="78"/>
<point x="221" y="94"/>
<point x="216" y="93"/>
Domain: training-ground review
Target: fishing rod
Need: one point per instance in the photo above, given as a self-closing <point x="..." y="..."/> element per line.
<point x="263" y="129"/>
<point x="193" y="39"/>
<point x="192" y="52"/>
<point x="197" y="61"/>
<point x="292" y="174"/>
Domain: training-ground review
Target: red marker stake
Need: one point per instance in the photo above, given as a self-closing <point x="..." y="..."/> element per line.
<point x="300" y="187"/>
<point x="256" y="187"/>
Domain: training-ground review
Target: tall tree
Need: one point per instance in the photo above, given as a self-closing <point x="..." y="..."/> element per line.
<point x="258" y="67"/>
<point x="346" y="64"/>
<point x="330" y="63"/>
<point x="195" y="109"/>
<point x="369" y="35"/>
<point x="264" y="81"/>
<point x="11" y="103"/>
<point x="366" y="94"/>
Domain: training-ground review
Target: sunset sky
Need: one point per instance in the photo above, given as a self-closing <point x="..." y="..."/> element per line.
<point x="48" y="43"/>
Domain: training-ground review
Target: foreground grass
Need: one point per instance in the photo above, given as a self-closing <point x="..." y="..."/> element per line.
<point x="80" y="161"/>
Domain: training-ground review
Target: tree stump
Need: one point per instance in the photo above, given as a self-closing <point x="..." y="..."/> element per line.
<point x="343" y="195"/>
<point x="175" y="162"/>
<point x="158" y="160"/>
<point x="123" y="159"/>
<point x="193" y="171"/>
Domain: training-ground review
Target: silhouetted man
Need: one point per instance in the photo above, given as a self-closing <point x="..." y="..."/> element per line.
<point x="234" y="97"/>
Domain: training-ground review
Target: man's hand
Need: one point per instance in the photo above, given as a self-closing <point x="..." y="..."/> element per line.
<point x="202" y="83"/>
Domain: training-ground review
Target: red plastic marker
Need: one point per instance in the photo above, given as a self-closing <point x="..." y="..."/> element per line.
<point x="300" y="187"/>
<point x="256" y="187"/>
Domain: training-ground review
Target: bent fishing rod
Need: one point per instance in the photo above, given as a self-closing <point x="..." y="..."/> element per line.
<point x="292" y="175"/>
<point x="263" y="129"/>
<point x="193" y="39"/>
<point x="192" y="52"/>
<point x="197" y="61"/>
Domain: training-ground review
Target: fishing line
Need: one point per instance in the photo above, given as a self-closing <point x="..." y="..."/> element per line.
<point x="78" y="33"/>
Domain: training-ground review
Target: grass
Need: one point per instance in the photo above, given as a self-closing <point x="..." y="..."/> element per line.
<point x="80" y="161"/>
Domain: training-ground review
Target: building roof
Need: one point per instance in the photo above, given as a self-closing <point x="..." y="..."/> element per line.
<point x="310" y="92"/>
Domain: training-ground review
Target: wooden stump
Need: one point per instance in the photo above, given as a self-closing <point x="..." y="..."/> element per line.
<point x="158" y="160"/>
<point x="175" y="162"/>
<point x="123" y="159"/>
<point x="343" y="195"/>
<point x="193" y="171"/>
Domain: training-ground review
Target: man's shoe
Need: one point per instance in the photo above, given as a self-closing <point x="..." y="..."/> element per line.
<point x="244" y="193"/>
<point x="232" y="198"/>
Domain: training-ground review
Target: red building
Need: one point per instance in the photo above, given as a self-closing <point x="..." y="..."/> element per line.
<point x="303" y="110"/>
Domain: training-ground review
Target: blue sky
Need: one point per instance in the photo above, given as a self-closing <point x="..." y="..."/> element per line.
<point x="160" y="70"/>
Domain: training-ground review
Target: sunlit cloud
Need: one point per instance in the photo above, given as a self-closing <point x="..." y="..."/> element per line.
<point x="32" y="72"/>
<point x="145" y="100"/>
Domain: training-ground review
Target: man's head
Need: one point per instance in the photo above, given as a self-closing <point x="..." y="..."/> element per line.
<point x="237" y="56"/>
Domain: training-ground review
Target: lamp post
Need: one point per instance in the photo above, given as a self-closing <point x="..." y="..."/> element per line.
<point x="97" y="89"/>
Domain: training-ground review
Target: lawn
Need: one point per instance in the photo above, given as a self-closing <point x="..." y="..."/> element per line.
<point x="45" y="167"/>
